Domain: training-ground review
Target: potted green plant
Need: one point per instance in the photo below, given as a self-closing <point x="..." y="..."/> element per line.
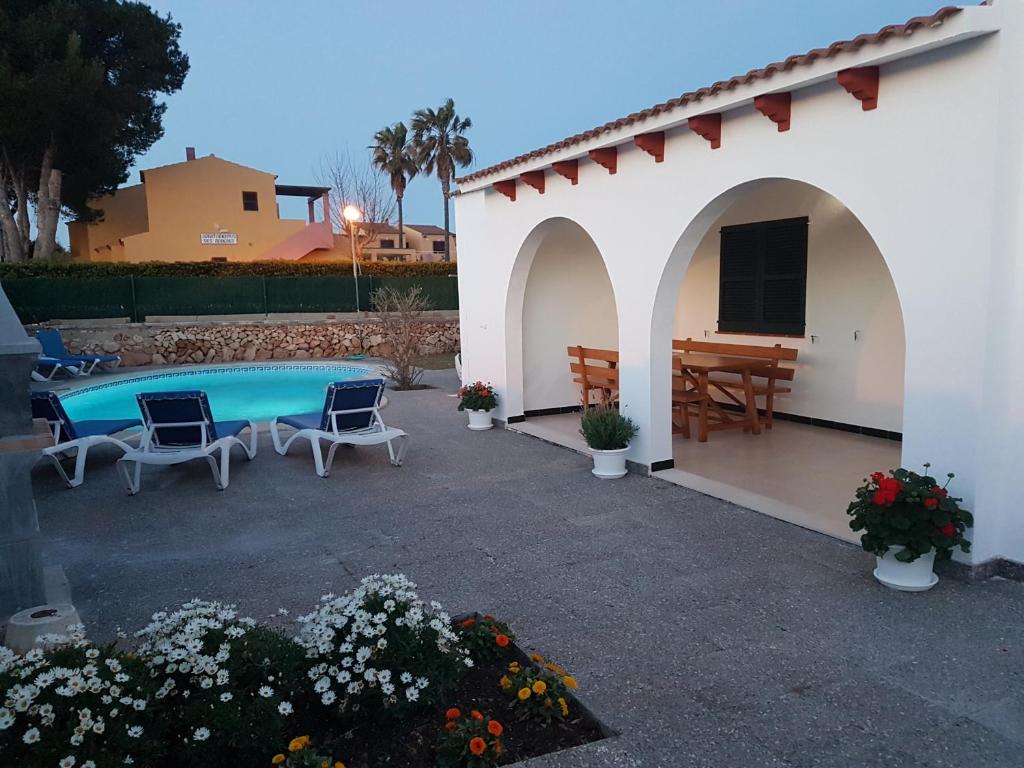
<point x="908" y="520"/>
<point x="607" y="433"/>
<point x="478" y="400"/>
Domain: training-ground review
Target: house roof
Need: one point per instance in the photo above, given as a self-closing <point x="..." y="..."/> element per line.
<point x="893" y="30"/>
<point x="428" y="229"/>
<point x="379" y="227"/>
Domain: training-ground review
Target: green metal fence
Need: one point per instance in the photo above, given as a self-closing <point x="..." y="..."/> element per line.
<point x="39" y="299"/>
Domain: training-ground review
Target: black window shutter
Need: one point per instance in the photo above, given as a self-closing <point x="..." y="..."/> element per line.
<point x="763" y="277"/>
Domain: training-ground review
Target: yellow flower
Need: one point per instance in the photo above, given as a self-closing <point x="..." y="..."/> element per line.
<point x="339" y="764"/>
<point x="299" y="742"/>
<point x="278" y="759"/>
<point x="539" y="686"/>
<point x="325" y="764"/>
<point x="506" y="682"/>
<point x="555" y="668"/>
<point x="564" y="706"/>
<point x="570" y="681"/>
<point x="537" y="658"/>
<point x="524" y="694"/>
<point x="513" y="667"/>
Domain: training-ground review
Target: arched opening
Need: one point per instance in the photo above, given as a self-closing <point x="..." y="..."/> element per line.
<point x="560" y="296"/>
<point x="781" y="262"/>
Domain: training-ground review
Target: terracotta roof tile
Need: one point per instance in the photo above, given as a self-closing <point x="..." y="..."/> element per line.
<point x="893" y="30"/>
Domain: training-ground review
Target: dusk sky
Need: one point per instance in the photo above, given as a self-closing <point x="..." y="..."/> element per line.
<point x="282" y="85"/>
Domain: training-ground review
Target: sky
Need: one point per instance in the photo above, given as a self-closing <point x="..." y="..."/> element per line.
<point x="284" y="86"/>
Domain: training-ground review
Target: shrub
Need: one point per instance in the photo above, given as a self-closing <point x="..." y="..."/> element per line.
<point x="74" y="703"/>
<point x="478" y="397"/>
<point x="541" y="690"/>
<point x="908" y="510"/>
<point x="472" y="740"/>
<point x="226" y="685"/>
<point x="97" y="269"/>
<point x="398" y="312"/>
<point x="486" y="638"/>
<point x="605" y="429"/>
<point x="381" y="648"/>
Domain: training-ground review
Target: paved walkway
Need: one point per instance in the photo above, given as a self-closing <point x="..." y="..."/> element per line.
<point x="705" y="634"/>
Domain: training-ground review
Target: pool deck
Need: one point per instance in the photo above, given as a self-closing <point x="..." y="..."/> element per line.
<point x="703" y="633"/>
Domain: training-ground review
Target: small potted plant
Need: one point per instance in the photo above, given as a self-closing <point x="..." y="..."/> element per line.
<point x="908" y="520"/>
<point x="478" y="400"/>
<point x="607" y="433"/>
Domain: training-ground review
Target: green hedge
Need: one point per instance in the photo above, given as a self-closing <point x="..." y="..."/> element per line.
<point x="105" y="269"/>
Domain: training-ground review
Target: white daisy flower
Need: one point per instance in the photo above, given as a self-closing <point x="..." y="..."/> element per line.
<point x="201" y="734"/>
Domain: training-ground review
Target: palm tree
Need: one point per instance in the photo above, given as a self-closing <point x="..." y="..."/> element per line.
<point x="439" y="144"/>
<point x="392" y="154"/>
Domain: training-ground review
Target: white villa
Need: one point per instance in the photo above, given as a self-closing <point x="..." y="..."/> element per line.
<point x="861" y="203"/>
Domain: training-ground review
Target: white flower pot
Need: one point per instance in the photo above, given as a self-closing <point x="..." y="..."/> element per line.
<point x="610" y="465"/>
<point x="916" y="576"/>
<point x="479" y="420"/>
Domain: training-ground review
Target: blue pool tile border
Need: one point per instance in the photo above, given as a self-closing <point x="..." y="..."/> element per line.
<point x="220" y="369"/>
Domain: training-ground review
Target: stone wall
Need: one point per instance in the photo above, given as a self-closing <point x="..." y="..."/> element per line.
<point x="208" y="342"/>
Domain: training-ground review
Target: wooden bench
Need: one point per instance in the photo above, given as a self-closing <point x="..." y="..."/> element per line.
<point x="766" y="378"/>
<point x="595" y="370"/>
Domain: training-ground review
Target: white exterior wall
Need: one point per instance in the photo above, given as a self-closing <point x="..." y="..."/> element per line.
<point x="850" y="367"/>
<point x="933" y="174"/>
<point x="569" y="301"/>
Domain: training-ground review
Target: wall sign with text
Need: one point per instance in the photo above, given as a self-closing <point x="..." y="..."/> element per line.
<point x="219" y="238"/>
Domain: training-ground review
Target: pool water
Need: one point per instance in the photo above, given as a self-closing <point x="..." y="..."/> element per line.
<point x="257" y="392"/>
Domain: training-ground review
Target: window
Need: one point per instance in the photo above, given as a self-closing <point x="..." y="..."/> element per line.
<point x="763" y="277"/>
<point x="438" y="246"/>
<point x="250" y="201"/>
<point x="388" y="243"/>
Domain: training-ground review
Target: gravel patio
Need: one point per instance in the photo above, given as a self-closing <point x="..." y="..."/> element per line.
<point x="703" y="633"/>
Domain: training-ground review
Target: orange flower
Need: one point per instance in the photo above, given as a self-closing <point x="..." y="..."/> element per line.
<point x="498" y="749"/>
<point x="502" y="641"/>
<point x="570" y="681"/>
<point x="477" y="746"/>
<point x="453" y="713"/>
<point x="476" y="715"/>
<point x="536" y="657"/>
<point x="450" y="725"/>
<point x="494" y="728"/>
<point x="524" y="694"/>
<point x="539" y="686"/>
<point x="278" y="759"/>
<point x="468" y="623"/>
<point x="506" y="682"/>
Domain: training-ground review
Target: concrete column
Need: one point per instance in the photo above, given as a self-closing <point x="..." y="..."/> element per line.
<point x="21" y="571"/>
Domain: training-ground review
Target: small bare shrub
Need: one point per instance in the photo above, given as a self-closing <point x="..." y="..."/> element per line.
<point x="399" y="312"/>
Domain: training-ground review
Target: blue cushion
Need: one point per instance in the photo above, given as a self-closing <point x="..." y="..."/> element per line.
<point x="229" y="428"/>
<point x="301" y="420"/>
<point x="104" y="426"/>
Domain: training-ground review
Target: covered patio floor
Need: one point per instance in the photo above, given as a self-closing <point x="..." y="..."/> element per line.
<point x="795" y="472"/>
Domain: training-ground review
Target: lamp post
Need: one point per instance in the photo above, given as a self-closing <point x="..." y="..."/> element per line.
<point x="353" y="216"/>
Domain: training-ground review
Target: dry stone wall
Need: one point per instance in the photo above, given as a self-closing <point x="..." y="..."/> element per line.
<point x="167" y="343"/>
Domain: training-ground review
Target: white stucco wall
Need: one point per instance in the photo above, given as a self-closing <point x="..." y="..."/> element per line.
<point x="569" y="301"/>
<point x="934" y="176"/>
<point x="849" y="290"/>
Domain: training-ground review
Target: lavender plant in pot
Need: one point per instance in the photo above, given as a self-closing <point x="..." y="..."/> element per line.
<point x="607" y="433"/>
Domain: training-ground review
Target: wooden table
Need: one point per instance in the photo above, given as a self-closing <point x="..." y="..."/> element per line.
<point x="694" y="367"/>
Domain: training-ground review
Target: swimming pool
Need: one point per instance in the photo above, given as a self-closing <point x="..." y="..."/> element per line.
<point x="257" y="392"/>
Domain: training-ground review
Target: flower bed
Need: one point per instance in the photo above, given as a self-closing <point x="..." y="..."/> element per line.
<point x="373" y="677"/>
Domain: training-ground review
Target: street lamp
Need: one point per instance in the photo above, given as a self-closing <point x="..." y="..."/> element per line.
<point x="353" y="215"/>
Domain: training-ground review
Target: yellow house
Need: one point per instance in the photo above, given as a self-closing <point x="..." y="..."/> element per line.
<point x="202" y="209"/>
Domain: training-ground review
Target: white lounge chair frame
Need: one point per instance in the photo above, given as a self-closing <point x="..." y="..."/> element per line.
<point x="375" y="434"/>
<point x="149" y="453"/>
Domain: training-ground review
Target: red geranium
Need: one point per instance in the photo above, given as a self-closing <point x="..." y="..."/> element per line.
<point x="948" y="530"/>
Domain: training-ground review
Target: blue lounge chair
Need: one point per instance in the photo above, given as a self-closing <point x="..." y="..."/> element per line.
<point x="53" y="348"/>
<point x="179" y="427"/>
<point x="350" y="416"/>
<point x="76" y="436"/>
<point x="48" y="367"/>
